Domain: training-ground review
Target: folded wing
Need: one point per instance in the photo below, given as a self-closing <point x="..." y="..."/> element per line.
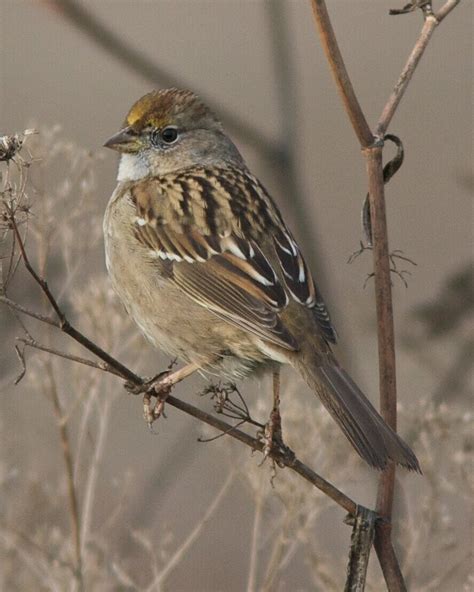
<point x="210" y="225"/>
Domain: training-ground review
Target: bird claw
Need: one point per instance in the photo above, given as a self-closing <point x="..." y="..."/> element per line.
<point x="153" y="412"/>
<point x="159" y="387"/>
<point x="272" y="438"/>
<point x="147" y="384"/>
<point x="152" y="387"/>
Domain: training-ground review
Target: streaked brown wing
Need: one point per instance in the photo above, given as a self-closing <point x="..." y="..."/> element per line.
<point x="234" y="298"/>
<point x="209" y="223"/>
<point x="229" y="276"/>
<point x="299" y="281"/>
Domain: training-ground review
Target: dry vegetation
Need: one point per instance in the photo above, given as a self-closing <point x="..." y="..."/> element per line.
<point x="54" y="531"/>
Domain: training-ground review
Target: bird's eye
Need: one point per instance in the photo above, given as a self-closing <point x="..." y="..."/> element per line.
<point x="169" y="135"/>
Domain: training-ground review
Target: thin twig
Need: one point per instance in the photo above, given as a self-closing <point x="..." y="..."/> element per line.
<point x="94" y="471"/>
<point x="406" y="75"/>
<point x="64" y="324"/>
<point x="286" y="460"/>
<point x="446" y="9"/>
<point x="276" y="560"/>
<point x="432" y="20"/>
<point x="30" y="342"/>
<point x="68" y="463"/>
<point x="338" y="68"/>
<point x="30" y="313"/>
<point x="38" y="566"/>
<point x="47" y="557"/>
<point x="257" y="521"/>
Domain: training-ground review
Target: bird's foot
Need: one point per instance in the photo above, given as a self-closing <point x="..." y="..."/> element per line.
<point x="160" y="386"/>
<point x="147" y="383"/>
<point x="272" y="438"/>
<point x="152" y="412"/>
<point x="272" y="433"/>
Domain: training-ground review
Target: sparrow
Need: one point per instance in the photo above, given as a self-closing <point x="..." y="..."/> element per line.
<point x="200" y="256"/>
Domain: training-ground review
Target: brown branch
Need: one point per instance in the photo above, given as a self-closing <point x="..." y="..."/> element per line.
<point x="363" y="529"/>
<point x="373" y="154"/>
<point x="171" y="380"/>
<point x="387" y="557"/>
<point x="406" y="75"/>
<point x="68" y="463"/>
<point x="385" y="325"/>
<point x="432" y="20"/>
<point x="338" y="68"/>
<point x="383" y="290"/>
<point x="111" y="364"/>
<point x="446" y="9"/>
<point x="63" y="323"/>
<point x="387" y="368"/>
<point x="287" y="460"/>
<point x="30" y="342"/>
<point x="30" y="313"/>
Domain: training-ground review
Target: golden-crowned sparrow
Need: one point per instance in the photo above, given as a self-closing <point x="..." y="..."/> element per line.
<point x="204" y="263"/>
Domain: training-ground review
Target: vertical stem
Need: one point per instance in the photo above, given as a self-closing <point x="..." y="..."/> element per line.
<point x="68" y="462"/>
<point x="388" y="559"/>
<point x="387" y="368"/>
<point x="363" y="529"/>
<point x="383" y="287"/>
<point x="257" y="523"/>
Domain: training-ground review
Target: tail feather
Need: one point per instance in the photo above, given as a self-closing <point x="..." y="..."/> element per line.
<point x="372" y="438"/>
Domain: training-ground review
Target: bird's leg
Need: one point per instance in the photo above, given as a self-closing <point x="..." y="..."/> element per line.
<point x="273" y="433"/>
<point x="161" y="388"/>
<point x="154" y="379"/>
<point x="136" y="389"/>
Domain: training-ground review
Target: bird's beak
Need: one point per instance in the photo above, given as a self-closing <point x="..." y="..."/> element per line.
<point x="126" y="140"/>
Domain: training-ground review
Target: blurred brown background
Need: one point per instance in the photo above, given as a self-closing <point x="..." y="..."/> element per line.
<point x="260" y="61"/>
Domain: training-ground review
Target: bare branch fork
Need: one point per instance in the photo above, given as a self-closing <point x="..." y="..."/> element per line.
<point x="372" y="145"/>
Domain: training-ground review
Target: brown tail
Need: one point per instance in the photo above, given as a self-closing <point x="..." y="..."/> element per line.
<point x="373" y="439"/>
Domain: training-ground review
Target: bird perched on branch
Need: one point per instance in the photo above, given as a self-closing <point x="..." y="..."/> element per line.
<point x="203" y="261"/>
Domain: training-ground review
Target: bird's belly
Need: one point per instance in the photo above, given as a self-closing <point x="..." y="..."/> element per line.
<point x="172" y="321"/>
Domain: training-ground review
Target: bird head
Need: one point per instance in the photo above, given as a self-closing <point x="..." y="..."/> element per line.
<point x="168" y="130"/>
